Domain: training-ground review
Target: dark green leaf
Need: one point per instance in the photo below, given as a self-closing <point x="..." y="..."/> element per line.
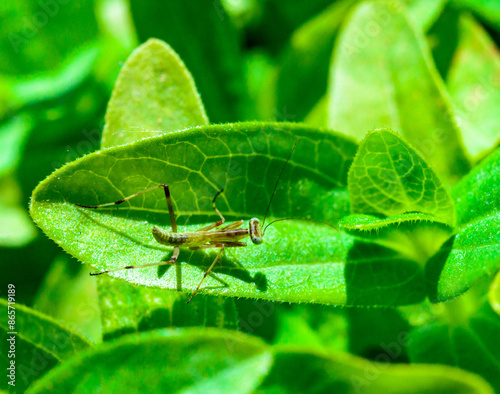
<point x="165" y="361"/>
<point x="388" y="177"/>
<point x="127" y="309"/>
<point x="154" y="94"/>
<point x="39" y="342"/>
<point x="475" y="251"/>
<point x="472" y="345"/>
<point x="474" y="87"/>
<point x="205" y="39"/>
<point x="403" y="92"/>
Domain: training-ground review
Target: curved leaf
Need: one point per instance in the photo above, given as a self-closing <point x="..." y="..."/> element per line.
<point x="388" y="177"/>
<point x="165" y="361"/>
<point x="154" y="94"/>
<point x="474" y="252"/>
<point x="403" y="93"/>
<point x="40" y="343"/>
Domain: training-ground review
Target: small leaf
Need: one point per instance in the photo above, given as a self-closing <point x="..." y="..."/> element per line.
<point x="474" y="252"/>
<point x="154" y="94"/>
<point x="474" y="88"/>
<point x="404" y="94"/>
<point x="416" y="236"/>
<point x="389" y="178"/>
<point x="39" y="342"/>
<point x="194" y="360"/>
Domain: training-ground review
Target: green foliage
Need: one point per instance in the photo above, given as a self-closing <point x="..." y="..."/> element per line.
<point x="393" y="254"/>
<point x="211" y="360"/>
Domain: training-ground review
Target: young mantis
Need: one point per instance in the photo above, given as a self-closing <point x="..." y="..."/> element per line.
<point x="211" y="236"/>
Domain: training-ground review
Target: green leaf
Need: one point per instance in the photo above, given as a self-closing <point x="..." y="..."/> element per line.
<point x="205" y="39"/>
<point x="403" y="93"/>
<point x="471" y="345"/>
<point x="40" y="342"/>
<point x="474" y="252"/>
<point x="212" y="360"/>
<point x="128" y="309"/>
<point x="474" y="89"/>
<point x="245" y="160"/>
<point x="414" y="235"/>
<point x="303" y="73"/>
<point x="388" y="177"/>
<point x="194" y="360"/>
<point x="154" y="94"/>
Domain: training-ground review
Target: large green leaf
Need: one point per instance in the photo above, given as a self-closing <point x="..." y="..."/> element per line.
<point x="474" y="252"/>
<point x="245" y="160"/>
<point x="403" y="92"/>
<point x="474" y="89"/>
<point x="154" y="94"/>
<point x="388" y="177"/>
<point x="203" y="361"/>
<point x="39" y="342"/>
<point x="205" y="39"/>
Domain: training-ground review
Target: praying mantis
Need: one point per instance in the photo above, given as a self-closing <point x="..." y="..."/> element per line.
<point x="215" y="235"/>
